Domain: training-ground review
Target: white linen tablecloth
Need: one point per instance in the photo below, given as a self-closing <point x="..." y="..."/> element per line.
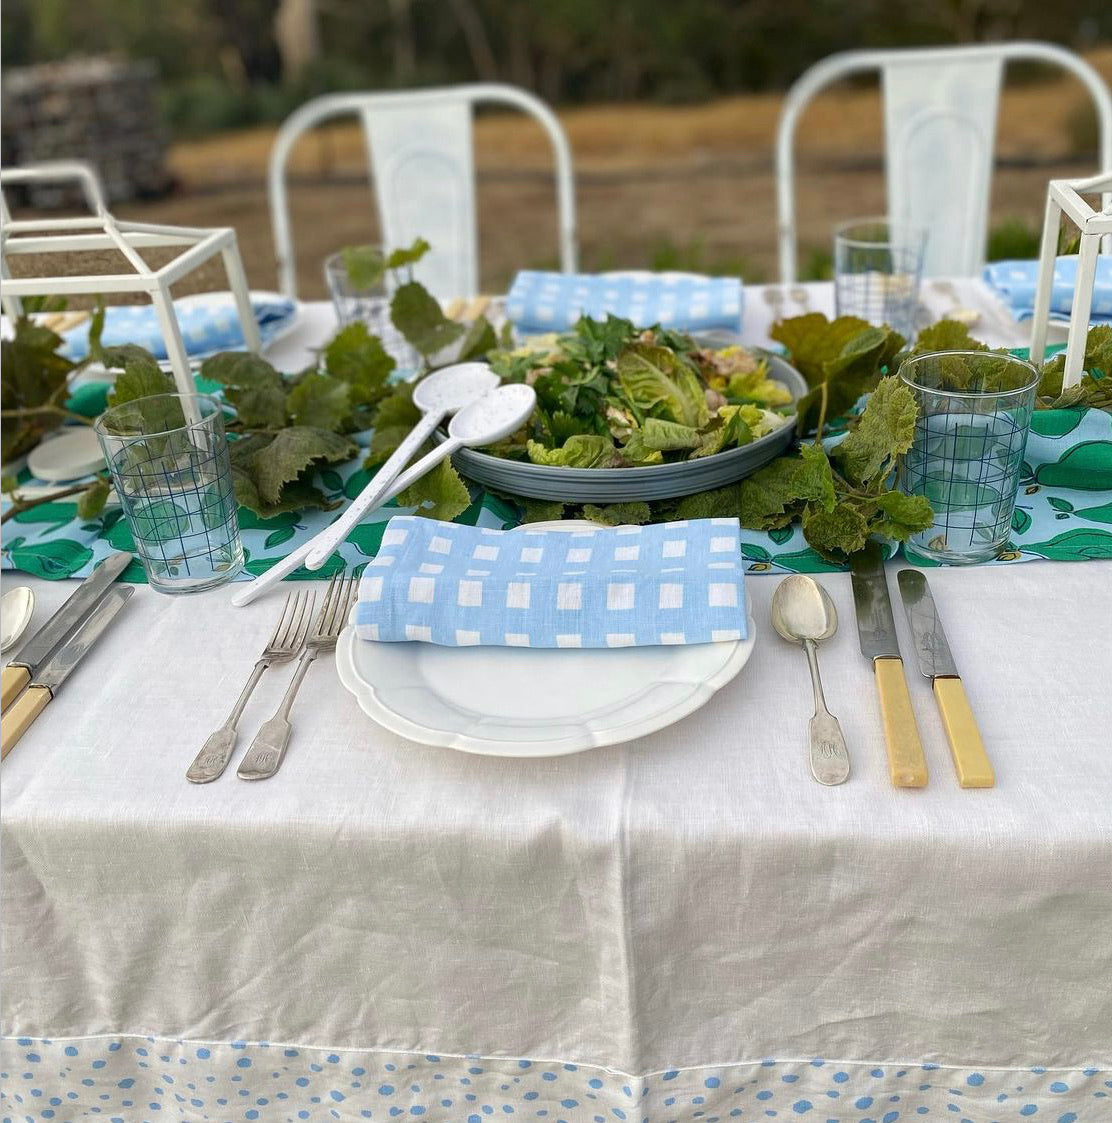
<point x="685" y="927"/>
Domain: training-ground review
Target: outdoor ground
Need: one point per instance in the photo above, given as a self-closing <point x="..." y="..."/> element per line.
<point x="682" y="187"/>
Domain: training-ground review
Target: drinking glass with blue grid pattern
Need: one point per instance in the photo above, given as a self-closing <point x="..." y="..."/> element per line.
<point x="168" y="455"/>
<point x="966" y="458"/>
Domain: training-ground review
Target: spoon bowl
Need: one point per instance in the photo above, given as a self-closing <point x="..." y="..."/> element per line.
<point x="495" y="415"/>
<point x="16" y="608"/>
<point x="449" y="390"/>
<point x="802" y="610"/>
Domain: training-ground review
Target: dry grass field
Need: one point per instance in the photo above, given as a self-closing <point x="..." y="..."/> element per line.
<point x="688" y="186"/>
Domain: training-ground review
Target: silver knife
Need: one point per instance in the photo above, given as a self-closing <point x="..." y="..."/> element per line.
<point x="51" y="674"/>
<point x="876" y="630"/>
<point x="54" y="632"/>
<point x="935" y="661"/>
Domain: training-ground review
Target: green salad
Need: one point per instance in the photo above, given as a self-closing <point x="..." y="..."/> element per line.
<point x="611" y="395"/>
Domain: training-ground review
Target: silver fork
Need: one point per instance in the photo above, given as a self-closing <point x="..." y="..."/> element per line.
<point x="284" y="644"/>
<point x="264" y="757"/>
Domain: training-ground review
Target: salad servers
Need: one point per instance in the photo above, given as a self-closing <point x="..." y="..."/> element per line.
<point x="802" y="612"/>
<point x="437" y="395"/>
<point x="287" y="640"/>
<point x="494" y="416"/>
<point x="268" y="749"/>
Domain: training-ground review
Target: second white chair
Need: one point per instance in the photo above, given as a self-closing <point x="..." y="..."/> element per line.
<point x="422" y="164"/>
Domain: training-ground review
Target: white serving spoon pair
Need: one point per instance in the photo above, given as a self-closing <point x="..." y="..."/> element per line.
<point x="484" y="412"/>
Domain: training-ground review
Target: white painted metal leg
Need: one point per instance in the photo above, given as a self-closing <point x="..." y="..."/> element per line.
<point x="175" y="348"/>
<point x="1048" y="256"/>
<point x="237" y="282"/>
<point x="1082" y="304"/>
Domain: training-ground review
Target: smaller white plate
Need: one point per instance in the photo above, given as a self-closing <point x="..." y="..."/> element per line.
<point x="74" y="453"/>
<point x="533" y="702"/>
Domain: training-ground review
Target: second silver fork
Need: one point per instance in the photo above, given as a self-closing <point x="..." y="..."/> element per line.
<point x="287" y="640"/>
<point x="268" y="749"/>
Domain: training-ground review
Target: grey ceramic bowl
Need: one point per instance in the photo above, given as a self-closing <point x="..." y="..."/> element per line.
<point x="654" y="481"/>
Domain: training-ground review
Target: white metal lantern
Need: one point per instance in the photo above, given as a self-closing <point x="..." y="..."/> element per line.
<point x="1064" y="196"/>
<point x="100" y="231"/>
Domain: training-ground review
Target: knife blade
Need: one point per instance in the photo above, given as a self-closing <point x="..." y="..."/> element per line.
<point x="59" y="627"/>
<point x="58" y="667"/>
<point x="971" y="762"/>
<point x="876" y="631"/>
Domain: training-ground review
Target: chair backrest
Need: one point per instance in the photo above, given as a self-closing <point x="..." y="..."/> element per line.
<point x="940" y="108"/>
<point x="422" y="164"/>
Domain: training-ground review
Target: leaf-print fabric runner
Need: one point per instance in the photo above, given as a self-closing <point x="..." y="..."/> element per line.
<point x="1063" y="512"/>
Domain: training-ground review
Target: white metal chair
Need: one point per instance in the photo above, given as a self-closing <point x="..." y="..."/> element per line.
<point x="940" y="107"/>
<point x="422" y="163"/>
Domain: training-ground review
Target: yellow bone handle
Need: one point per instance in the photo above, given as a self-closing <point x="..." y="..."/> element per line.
<point x="18" y="719"/>
<point x="12" y="681"/>
<point x="907" y="767"/>
<point x="966" y="747"/>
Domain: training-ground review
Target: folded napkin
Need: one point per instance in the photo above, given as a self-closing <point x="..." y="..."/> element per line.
<point x="543" y="302"/>
<point x="1015" y="283"/>
<point x="204" y="327"/>
<point x="627" y="586"/>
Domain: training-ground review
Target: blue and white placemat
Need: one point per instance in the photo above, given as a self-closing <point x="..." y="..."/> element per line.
<point x="208" y="324"/>
<point x="541" y="302"/>
<point x="672" y="583"/>
<point x="1015" y="283"/>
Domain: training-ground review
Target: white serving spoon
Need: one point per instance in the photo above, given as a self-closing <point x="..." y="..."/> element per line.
<point x="495" y="415"/>
<point x="439" y="394"/>
<point x="16" y="608"/>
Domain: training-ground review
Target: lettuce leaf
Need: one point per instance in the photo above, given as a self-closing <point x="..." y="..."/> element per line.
<point x="656" y="380"/>
<point x="581" y="451"/>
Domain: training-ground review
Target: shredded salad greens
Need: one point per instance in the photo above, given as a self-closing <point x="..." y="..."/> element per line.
<point x="611" y="395"/>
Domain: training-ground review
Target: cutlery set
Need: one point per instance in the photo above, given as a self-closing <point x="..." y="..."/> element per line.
<point x="292" y="637"/>
<point x="802" y="612"/>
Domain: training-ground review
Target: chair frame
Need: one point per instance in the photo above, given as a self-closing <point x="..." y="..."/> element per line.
<point x="321" y="109"/>
<point x="840" y="66"/>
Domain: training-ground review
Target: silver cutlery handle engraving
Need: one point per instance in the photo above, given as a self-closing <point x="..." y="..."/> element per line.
<point x="267" y="750"/>
<point x="828" y="753"/>
<point x="213" y="758"/>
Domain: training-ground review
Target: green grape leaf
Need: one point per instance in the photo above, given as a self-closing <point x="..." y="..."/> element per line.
<point x="440" y="494"/>
<point x="417" y="314"/>
<point x="885" y="431"/>
<point x="356" y="357"/>
<point x="320" y="401"/>
<point x="619" y="514"/>
<point x="837" y="532"/>
<point x="91" y="502"/>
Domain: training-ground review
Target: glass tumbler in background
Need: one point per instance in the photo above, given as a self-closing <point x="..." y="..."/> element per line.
<point x="168" y="456"/>
<point x="967" y="454"/>
<point x="368" y="305"/>
<point x="878" y="267"/>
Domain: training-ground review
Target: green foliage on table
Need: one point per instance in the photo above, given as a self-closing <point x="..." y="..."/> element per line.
<point x="1095" y="388"/>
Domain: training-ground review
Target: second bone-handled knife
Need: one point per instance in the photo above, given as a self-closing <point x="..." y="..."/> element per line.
<point x="935" y="661"/>
<point x="876" y="629"/>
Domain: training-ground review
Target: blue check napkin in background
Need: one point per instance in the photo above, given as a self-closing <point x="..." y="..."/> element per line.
<point x="544" y="302"/>
<point x="1015" y="283"/>
<point x="673" y="583"/>
<point x="205" y="327"/>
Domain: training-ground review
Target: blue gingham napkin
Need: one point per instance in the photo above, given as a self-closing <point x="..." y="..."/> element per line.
<point x="204" y="328"/>
<point x="543" y="302"/>
<point x="626" y="586"/>
<point x="1015" y="283"/>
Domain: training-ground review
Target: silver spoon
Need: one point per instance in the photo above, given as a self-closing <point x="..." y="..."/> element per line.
<point x="802" y="612"/>
<point x="16" y="608"/>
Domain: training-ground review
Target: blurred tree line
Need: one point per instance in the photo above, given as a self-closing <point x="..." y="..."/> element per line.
<point x="226" y="63"/>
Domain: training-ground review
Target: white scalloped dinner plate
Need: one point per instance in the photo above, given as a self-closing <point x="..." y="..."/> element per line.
<point x="533" y="702"/>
